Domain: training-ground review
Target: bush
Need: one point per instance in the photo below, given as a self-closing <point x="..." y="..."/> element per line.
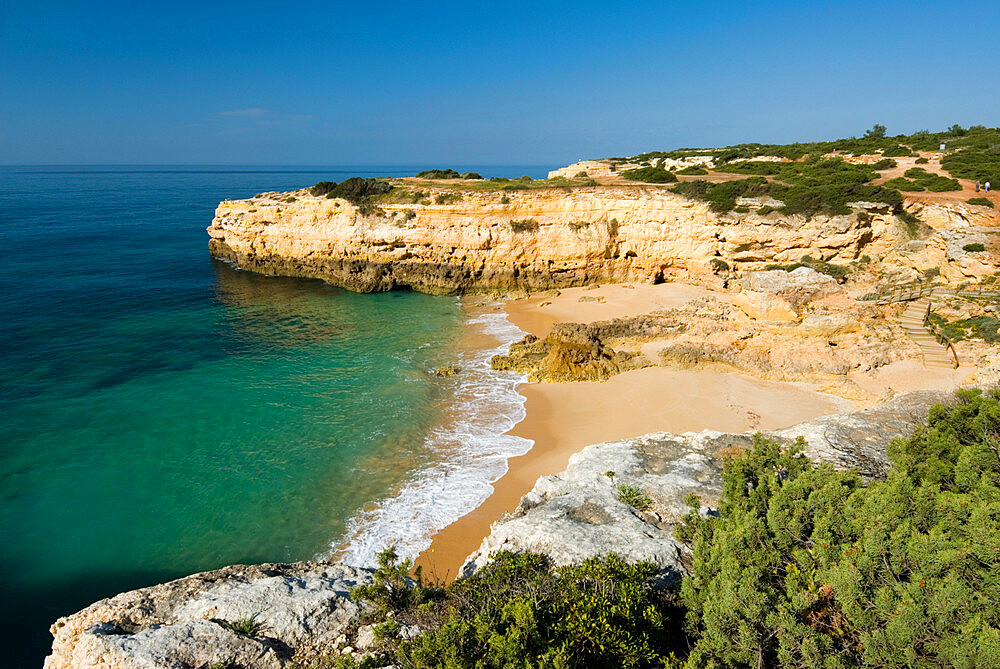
<point x="974" y="248"/>
<point x="439" y="174"/>
<point x="806" y="566"/>
<point x="654" y="175"/>
<point x="355" y="190"/>
<point x="981" y="201"/>
<point x="918" y="179"/>
<point x="518" y="611"/>
<point x="884" y="164"/>
<point x="447" y="198"/>
<point x="980" y="163"/>
<point x="524" y="225"/>
<point x="921" y="161"/>
<point x="693" y="170"/>
<point x="896" y="151"/>
<point x="634" y="497"/>
<point x="392" y="589"/>
<point x="718" y="265"/>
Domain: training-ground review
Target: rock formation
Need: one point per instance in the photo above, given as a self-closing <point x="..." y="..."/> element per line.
<point x="296" y="611"/>
<point x="483" y="243"/>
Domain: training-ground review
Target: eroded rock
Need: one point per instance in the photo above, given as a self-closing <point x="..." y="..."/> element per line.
<point x="297" y="611"/>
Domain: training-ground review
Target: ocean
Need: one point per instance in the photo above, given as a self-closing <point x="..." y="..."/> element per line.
<point x="164" y="413"/>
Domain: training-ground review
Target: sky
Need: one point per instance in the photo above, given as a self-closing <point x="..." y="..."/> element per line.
<point x="476" y="83"/>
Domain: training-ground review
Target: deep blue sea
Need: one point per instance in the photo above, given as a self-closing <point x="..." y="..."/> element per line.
<point x="163" y="413"/>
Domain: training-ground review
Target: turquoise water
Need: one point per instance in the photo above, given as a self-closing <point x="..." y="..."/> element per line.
<point x="164" y="413"/>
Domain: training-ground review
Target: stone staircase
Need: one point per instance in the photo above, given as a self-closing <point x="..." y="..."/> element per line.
<point x="935" y="354"/>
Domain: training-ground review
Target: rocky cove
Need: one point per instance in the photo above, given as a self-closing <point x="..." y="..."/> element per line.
<point x="618" y="278"/>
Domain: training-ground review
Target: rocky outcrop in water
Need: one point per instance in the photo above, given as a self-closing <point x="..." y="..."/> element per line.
<point x="260" y="616"/>
<point x="585" y="510"/>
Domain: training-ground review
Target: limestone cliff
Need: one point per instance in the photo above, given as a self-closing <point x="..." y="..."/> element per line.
<point x="524" y="239"/>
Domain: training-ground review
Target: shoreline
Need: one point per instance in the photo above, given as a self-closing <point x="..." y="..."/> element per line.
<point x="469" y="447"/>
<point x="563" y="418"/>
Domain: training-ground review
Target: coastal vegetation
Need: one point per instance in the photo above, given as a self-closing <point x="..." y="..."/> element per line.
<point x="918" y="179"/>
<point x="809" y="187"/>
<point x="653" y="175"/>
<point x="800" y="566"/>
<point x="447" y="174"/>
<point x="981" y="201"/>
<point x="978" y="138"/>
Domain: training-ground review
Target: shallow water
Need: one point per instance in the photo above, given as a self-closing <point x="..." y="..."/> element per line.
<point x="164" y="413"/>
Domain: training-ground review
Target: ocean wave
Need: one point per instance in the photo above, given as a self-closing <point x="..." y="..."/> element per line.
<point x="473" y="449"/>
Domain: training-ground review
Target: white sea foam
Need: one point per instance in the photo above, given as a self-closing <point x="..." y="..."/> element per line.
<point x="473" y="452"/>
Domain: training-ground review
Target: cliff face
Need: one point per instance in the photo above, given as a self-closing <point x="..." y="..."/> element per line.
<point x="531" y="239"/>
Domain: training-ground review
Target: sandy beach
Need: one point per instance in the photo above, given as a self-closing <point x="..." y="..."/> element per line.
<point x="562" y="418"/>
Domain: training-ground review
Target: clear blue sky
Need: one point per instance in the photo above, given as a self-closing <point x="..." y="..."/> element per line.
<point x="476" y="82"/>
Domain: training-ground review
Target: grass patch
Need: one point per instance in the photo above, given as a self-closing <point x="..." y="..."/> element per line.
<point x="447" y="198"/>
<point x="693" y="170"/>
<point x="248" y="626"/>
<point x="981" y="201"/>
<point x="654" y="175"/>
<point x="634" y="497"/>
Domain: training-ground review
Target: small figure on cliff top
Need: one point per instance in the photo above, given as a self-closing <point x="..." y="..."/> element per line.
<point x="987" y="186"/>
<point x="977" y="186"/>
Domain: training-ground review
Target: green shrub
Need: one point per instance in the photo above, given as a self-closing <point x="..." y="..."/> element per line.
<point x="718" y="265"/>
<point x="896" y="151"/>
<point x="248" y="626"/>
<point x="355" y="190"/>
<point x="721" y="197"/>
<point x="974" y="248"/>
<point x="921" y="161"/>
<point x="918" y="179"/>
<point x="393" y="590"/>
<point x="655" y="175"/>
<point x="982" y="327"/>
<point x="524" y="225"/>
<point x="806" y="566"/>
<point x="981" y="201"/>
<point x="912" y="221"/>
<point x="884" y="164"/>
<point x="633" y="496"/>
<point x="447" y="198"/>
<point x="981" y="162"/>
<point x="518" y="611"/>
<point x="439" y="174"/>
<point x="903" y="184"/>
<point x="693" y="170"/>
